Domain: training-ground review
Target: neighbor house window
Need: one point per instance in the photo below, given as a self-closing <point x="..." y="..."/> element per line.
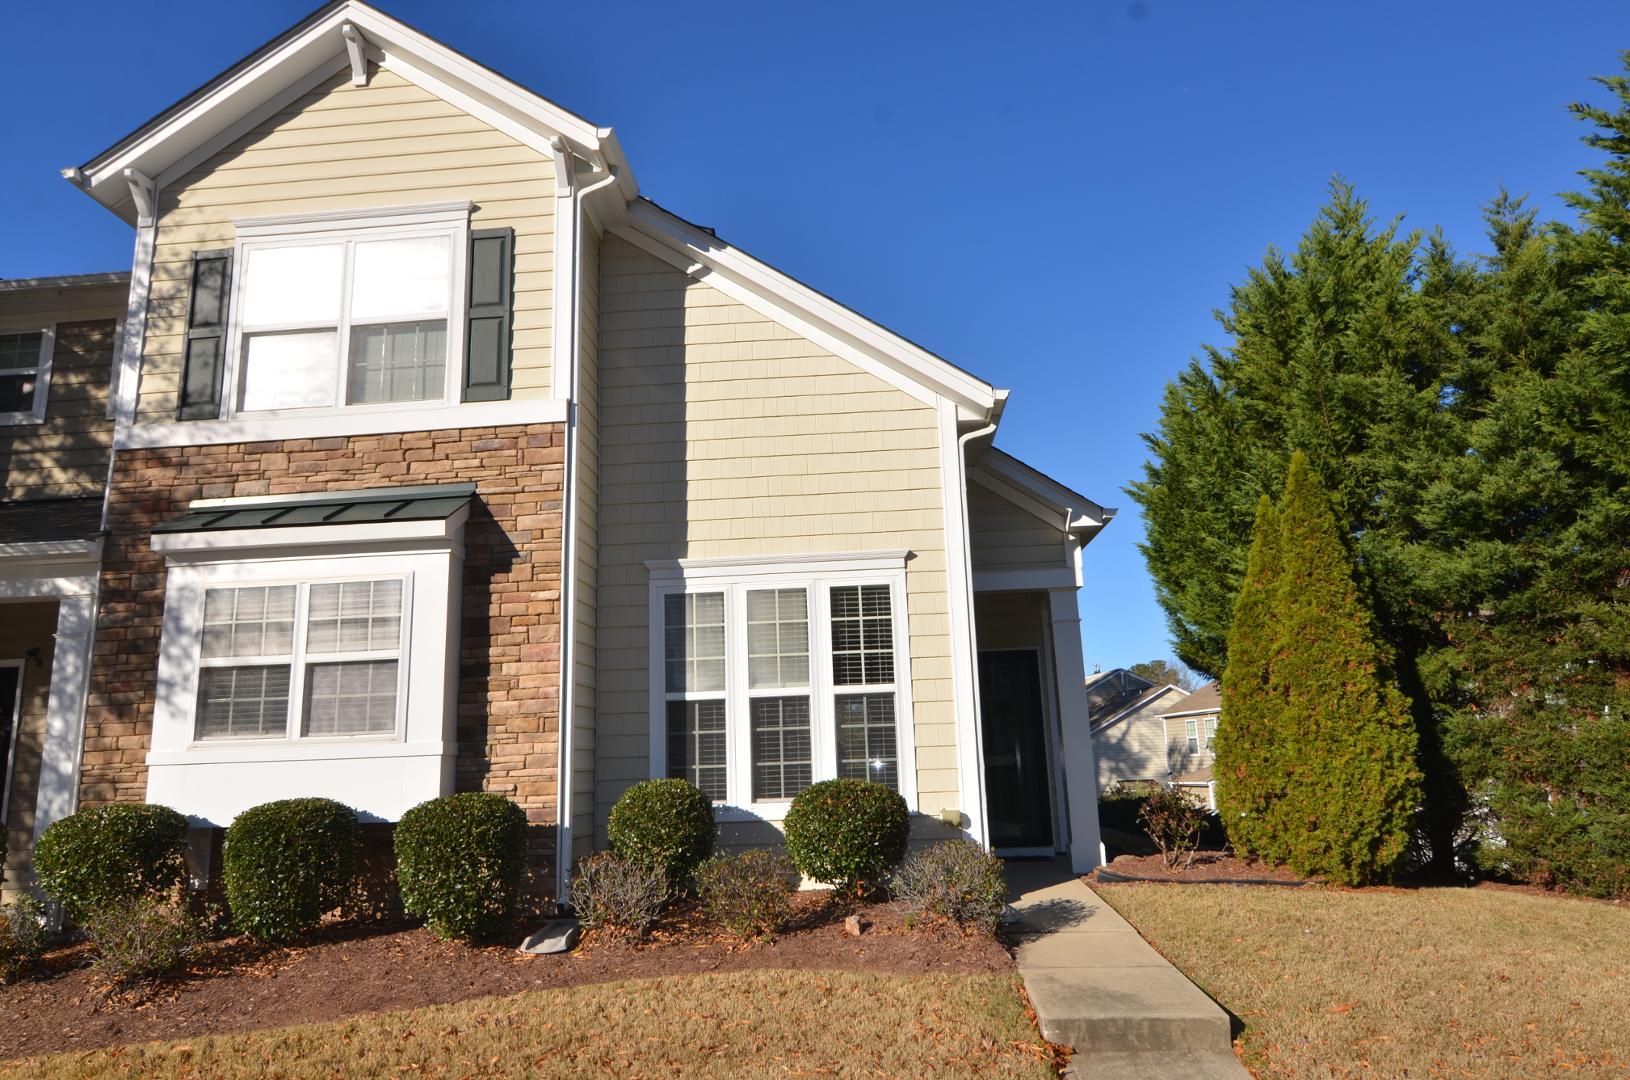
<point x="769" y="686"/>
<point x="25" y="375"/>
<point x="1211" y="731"/>
<point x="354" y="316"/>
<point x="328" y="653"/>
<point x="1191" y="728"/>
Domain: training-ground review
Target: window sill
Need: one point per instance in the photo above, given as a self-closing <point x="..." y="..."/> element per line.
<point x="363" y="421"/>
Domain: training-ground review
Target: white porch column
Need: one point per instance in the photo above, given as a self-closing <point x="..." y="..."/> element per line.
<point x="65" y="709"/>
<point x="1080" y="770"/>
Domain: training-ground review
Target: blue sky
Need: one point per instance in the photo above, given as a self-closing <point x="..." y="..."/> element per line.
<point x="1055" y="197"/>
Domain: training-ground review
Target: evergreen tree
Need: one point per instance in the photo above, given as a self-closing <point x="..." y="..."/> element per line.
<point x="1248" y="784"/>
<point x="1344" y="742"/>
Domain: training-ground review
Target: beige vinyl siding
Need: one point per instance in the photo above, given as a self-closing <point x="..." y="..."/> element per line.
<point x="343" y="147"/>
<point x="67" y="454"/>
<point x="725" y="434"/>
<point x="1004" y="536"/>
<point x="1178" y="759"/>
<point x="1134" y="748"/>
<point x="26" y="626"/>
<point x="586" y="580"/>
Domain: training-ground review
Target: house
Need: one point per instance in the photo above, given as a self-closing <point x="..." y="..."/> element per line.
<point x="57" y="341"/>
<point x="1128" y="734"/>
<point x="1190" y="730"/>
<point x="444" y="459"/>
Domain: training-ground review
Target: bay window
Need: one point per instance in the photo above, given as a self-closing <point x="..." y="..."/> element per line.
<point x="765" y="681"/>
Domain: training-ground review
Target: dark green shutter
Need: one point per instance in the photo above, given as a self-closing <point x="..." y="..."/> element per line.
<point x="487" y="324"/>
<point x="206" y="335"/>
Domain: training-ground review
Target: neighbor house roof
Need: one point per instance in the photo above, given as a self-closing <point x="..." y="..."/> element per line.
<point x="1207" y="699"/>
<point x="1118" y="709"/>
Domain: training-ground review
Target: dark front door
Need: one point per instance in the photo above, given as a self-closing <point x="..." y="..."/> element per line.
<point x="9" y="686"/>
<point x="1018" y="784"/>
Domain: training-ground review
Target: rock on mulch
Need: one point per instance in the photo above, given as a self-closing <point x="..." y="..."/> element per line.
<point x="1208" y="866"/>
<point x="347" y="969"/>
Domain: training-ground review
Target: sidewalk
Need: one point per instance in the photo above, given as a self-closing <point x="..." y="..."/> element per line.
<point x="1099" y="987"/>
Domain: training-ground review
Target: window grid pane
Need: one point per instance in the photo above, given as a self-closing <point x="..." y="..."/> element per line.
<point x="697" y="744"/>
<point x="862" y="636"/>
<point x="251" y="621"/>
<point x="783" y="762"/>
<point x="777" y="638"/>
<point x="398" y="362"/>
<point x="357" y="698"/>
<point x="693" y="635"/>
<point x="21" y="352"/>
<point x="355" y="616"/>
<point x="1192" y="734"/>
<point x="243" y="702"/>
<point x="867" y="747"/>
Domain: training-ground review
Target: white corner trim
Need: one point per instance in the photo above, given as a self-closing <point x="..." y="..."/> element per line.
<point x="734" y="568"/>
<point x="964" y="643"/>
<point x="65" y="702"/>
<point x="437" y="213"/>
<point x="356" y="50"/>
<point x="232" y="543"/>
<point x="341" y="423"/>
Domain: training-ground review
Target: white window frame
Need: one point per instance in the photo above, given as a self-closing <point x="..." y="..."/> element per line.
<point x="300" y="661"/>
<point x="41" y="372"/>
<point x="818" y="575"/>
<point x="1191" y="735"/>
<point x="347" y="228"/>
<point x="9" y="749"/>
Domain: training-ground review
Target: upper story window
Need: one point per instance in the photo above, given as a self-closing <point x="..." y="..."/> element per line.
<point x="369" y="316"/>
<point x="25" y="375"/>
<point x="1200" y="734"/>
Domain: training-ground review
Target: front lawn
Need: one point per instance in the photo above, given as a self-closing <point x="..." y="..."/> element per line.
<point x="1480" y="982"/>
<point x="744" y="1024"/>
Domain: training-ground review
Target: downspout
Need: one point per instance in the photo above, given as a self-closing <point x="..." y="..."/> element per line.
<point x="568" y="527"/>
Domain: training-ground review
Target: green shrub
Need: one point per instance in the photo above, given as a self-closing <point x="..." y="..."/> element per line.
<point x="847" y="833"/>
<point x="955" y="879"/>
<point x="287" y="864"/>
<point x="667" y="824"/>
<point x="24" y="935"/>
<point x="1174" y="821"/>
<point x="142" y="937"/>
<point x="460" y="861"/>
<point x="617" y="894"/>
<point x="111" y="853"/>
<point x="749" y="893"/>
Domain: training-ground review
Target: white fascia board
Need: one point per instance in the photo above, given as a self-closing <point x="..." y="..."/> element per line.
<point x="734" y="568"/>
<point x="341" y="423"/>
<point x="1213" y="711"/>
<point x="1084" y="513"/>
<point x="802" y="309"/>
<point x="306" y="57"/>
<point x="441" y="533"/>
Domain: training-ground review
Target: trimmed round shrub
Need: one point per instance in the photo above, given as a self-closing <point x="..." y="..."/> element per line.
<point x="618" y="895"/>
<point x="847" y="833"/>
<point x="748" y="893"/>
<point x="957" y="880"/>
<point x="667" y="824"/>
<point x="286" y="864"/>
<point x="110" y="854"/>
<point x="460" y="861"/>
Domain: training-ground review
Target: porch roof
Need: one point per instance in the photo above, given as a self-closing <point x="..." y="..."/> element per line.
<point x="429" y="502"/>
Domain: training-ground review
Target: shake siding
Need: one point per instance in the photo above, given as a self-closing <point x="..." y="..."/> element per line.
<point x="341" y="147"/>
<point x="725" y="434"/>
<point x="1003" y="536"/>
<point x="586" y="581"/>
<point x="67" y="454"/>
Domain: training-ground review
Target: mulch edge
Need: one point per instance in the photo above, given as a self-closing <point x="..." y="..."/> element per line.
<point x="1111" y="877"/>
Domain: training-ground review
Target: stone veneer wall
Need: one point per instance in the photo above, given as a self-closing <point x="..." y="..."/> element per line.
<point x="509" y="652"/>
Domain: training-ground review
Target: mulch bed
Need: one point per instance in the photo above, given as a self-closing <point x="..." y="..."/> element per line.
<point x="348" y="969"/>
<point x="1208" y="867"/>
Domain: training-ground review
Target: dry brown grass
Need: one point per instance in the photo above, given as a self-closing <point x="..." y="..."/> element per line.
<point x="1403" y="983"/>
<point x="748" y="1024"/>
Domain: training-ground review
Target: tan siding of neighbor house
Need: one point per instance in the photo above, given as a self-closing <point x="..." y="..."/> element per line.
<point x="586" y="581"/>
<point x="725" y="434"/>
<point x="1003" y="536"/>
<point x="67" y="454"/>
<point x="26" y="626"/>
<point x="341" y="147"/>
<point x="1134" y="748"/>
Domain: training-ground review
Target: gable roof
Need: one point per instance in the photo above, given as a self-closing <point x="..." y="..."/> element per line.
<point x="1034" y="491"/>
<point x="1207" y="699"/>
<point x="1107" y="691"/>
<point x="1137" y="704"/>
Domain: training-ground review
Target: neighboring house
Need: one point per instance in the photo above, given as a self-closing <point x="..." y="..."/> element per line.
<point x="57" y="341"/>
<point x="1191" y="730"/>
<point x="1128" y="735"/>
<point x="445" y="460"/>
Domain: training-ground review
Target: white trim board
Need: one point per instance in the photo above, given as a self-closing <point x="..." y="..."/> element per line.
<point x="353" y="421"/>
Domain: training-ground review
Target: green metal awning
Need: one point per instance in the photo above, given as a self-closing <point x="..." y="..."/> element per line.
<point x="430" y="502"/>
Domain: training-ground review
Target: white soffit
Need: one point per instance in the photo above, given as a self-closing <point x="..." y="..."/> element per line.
<point x="1008" y="476"/>
<point x="303" y="56"/>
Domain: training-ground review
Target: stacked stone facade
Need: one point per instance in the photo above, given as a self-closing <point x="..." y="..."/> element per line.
<point x="509" y="653"/>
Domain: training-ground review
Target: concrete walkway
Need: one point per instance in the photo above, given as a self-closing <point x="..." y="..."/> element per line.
<point x="1099" y="987"/>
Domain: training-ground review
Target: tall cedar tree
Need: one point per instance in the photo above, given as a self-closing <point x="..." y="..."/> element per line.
<point x="1248" y="783"/>
<point x="1343" y="742"/>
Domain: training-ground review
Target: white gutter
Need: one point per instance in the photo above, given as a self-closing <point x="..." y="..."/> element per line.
<point x="568" y="528"/>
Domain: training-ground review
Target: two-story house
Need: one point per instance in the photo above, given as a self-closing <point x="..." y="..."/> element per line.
<point x="444" y="459"/>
